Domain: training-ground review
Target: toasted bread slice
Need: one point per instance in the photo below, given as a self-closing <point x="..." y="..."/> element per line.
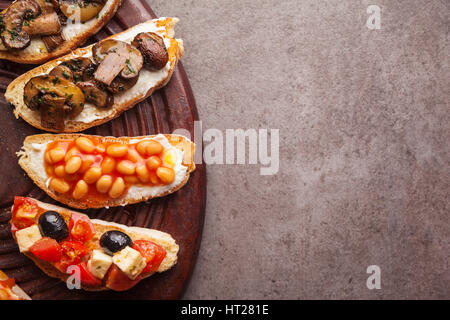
<point x="148" y="81"/>
<point x="16" y="292"/>
<point x="75" y="35"/>
<point x="32" y="161"/>
<point x="163" y="239"/>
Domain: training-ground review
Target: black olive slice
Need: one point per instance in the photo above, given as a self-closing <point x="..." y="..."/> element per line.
<point x="53" y="225"/>
<point x="114" y="241"/>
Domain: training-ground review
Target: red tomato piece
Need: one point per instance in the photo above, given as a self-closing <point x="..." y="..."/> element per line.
<point x="86" y="277"/>
<point x="118" y="281"/>
<point x="72" y="253"/>
<point x="153" y="254"/>
<point x="46" y="249"/>
<point x="24" y="213"/>
<point x="81" y="227"/>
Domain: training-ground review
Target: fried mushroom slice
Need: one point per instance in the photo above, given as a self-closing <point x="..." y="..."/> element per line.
<point x="81" y="10"/>
<point x="38" y="86"/>
<point x="45" y="24"/>
<point x="52" y="42"/>
<point x="78" y="66"/>
<point x="116" y="57"/>
<point x="12" y="35"/>
<point x="88" y="73"/>
<point x="95" y="94"/>
<point x="120" y="84"/>
<point x="153" y="50"/>
<point x="52" y="112"/>
<point x="62" y="72"/>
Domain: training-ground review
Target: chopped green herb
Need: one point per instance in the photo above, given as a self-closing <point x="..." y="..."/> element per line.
<point x="129" y="67"/>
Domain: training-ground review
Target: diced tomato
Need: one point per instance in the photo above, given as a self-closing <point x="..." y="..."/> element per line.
<point x="47" y="249"/>
<point x="24" y="213"/>
<point x="81" y="227"/>
<point x="86" y="277"/>
<point x="153" y="254"/>
<point x="8" y="283"/>
<point x="118" y="281"/>
<point x="72" y="253"/>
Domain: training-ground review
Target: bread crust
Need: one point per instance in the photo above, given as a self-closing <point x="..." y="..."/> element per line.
<point x="14" y="92"/>
<point x="177" y="141"/>
<point x="66" y="46"/>
<point x="163" y="239"/>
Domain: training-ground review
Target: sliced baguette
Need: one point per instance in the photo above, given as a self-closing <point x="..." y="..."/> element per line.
<point x="92" y="116"/>
<point x="163" y="239"/>
<point x="75" y="35"/>
<point x="30" y="166"/>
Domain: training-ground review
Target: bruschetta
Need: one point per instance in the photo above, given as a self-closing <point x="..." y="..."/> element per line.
<point x="35" y="31"/>
<point x="84" y="171"/>
<point x="95" y="84"/>
<point x="99" y="255"/>
<point x="9" y="290"/>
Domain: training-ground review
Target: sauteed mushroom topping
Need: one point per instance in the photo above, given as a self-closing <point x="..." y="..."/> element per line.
<point x="45" y="24"/>
<point x="52" y="42"/>
<point x="83" y="10"/>
<point x="116" y="57"/>
<point x="94" y="93"/>
<point x="153" y="50"/>
<point x="55" y="97"/>
<point x="119" y="84"/>
<point x="78" y="67"/>
<point x="13" y="35"/>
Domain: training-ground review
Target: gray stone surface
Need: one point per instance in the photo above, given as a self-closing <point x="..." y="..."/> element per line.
<point x="364" y="146"/>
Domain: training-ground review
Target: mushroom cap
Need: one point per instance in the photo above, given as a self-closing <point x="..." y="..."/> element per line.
<point x="114" y="57"/>
<point x="54" y="86"/>
<point x="153" y="49"/>
<point x="13" y="37"/>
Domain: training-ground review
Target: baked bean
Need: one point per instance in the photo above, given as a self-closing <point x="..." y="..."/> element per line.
<point x="57" y="154"/>
<point x="141" y="147"/>
<point x="126" y="167"/>
<point x="85" y="144"/>
<point x="167" y="175"/>
<point x="73" y="165"/>
<point x="143" y="173"/>
<point x="92" y="175"/>
<point x="101" y="148"/>
<point x="86" y="164"/>
<point x="154" y="178"/>
<point x="60" y="171"/>
<point x="131" y="179"/>
<point x="153" y="162"/>
<point x="103" y="184"/>
<point x="81" y="189"/>
<point x="47" y="157"/>
<point x="134" y="156"/>
<point x="108" y="165"/>
<point x="71" y="153"/>
<point x="117" y="188"/>
<point x="153" y="147"/>
<point x="59" y="185"/>
<point x="49" y="170"/>
<point x="117" y="150"/>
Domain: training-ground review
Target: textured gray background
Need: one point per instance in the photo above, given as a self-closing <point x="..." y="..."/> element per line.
<point x="364" y="146"/>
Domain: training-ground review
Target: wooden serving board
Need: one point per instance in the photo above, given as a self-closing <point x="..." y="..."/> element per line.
<point x="180" y="214"/>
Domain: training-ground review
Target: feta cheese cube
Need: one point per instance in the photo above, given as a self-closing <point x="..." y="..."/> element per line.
<point x="27" y="237"/>
<point x="99" y="263"/>
<point x="130" y="262"/>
